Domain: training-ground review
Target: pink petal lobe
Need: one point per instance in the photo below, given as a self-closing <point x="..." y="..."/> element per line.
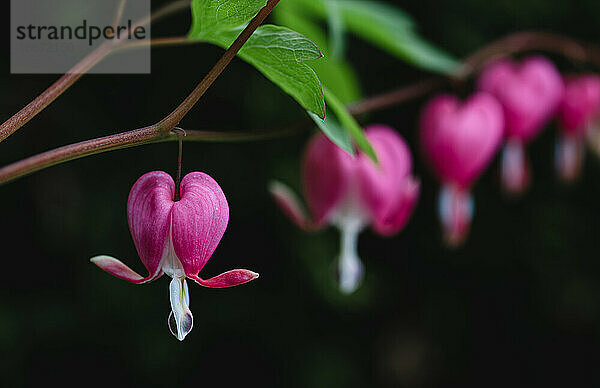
<point x="228" y="279"/>
<point x="199" y="220"/>
<point x="387" y="190"/>
<point x="326" y="173"/>
<point x="529" y="92"/>
<point x="460" y="139"/>
<point x="149" y="216"/>
<point x="290" y="205"/>
<point x="580" y="105"/>
<point x="399" y="215"/>
<point x="120" y="270"/>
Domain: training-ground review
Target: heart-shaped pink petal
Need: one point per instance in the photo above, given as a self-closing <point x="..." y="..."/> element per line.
<point x="460" y="139"/>
<point x="529" y="92"/>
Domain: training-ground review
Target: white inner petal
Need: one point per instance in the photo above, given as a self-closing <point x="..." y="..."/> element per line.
<point x="181" y="319"/>
<point x="455" y="207"/>
<point x="513" y="165"/>
<point x="350" y="267"/>
<point x="568" y="156"/>
<point x="170" y="263"/>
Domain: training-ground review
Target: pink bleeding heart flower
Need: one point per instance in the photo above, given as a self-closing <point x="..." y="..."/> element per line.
<point x="530" y="93"/>
<point x="578" y="114"/>
<point x="353" y="192"/>
<point x="459" y="140"/>
<point x="176" y="238"/>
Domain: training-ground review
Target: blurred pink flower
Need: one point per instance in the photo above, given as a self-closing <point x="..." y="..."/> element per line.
<point x="459" y="140"/>
<point x="352" y="193"/>
<point x="530" y="93"/>
<point x="176" y="238"/>
<point x="578" y="113"/>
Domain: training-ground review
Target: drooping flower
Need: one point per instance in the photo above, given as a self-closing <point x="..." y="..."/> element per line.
<point x="459" y="140"/>
<point x="176" y="238"/>
<point x="578" y="113"/>
<point x="530" y="93"/>
<point x="352" y="193"/>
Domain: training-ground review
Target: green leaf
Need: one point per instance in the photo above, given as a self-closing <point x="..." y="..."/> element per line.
<point x="334" y="131"/>
<point x="279" y="53"/>
<point x="335" y="73"/>
<point x="382" y="31"/>
<point x="388" y="28"/>
<point x="421" y="53"/>
<point x="336" y="29"/>
<point x="350" y="124"/>
<point x="388" y="16"/>
<point x="212" y="15"/>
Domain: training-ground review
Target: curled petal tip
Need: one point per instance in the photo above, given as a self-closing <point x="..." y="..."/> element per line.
<point x="116" y="268"/>
<point x="290" y="205"/>
<point x="228" y="279"/>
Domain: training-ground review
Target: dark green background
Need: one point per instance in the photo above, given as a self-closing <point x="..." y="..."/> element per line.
<point x="518" y="305"/>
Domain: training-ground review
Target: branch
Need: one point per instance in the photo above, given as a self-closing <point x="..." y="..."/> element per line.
<point x="397" y="96"/>
<point x="119" y="13"/>
<point x="157" y="42"/>
<point x="76" y="151"/>
<point x="156" y="132"/>
<point x="21" y="118"/>
<point x="532" y="41"/>
<point x="508" y="45"/>
<point x="523" y="41"/>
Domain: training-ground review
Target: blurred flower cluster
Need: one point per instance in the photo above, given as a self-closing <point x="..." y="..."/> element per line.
<point x="512" y="104"/>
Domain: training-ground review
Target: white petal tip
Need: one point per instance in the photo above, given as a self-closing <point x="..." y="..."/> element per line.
<point x="276" y="186"/>
<point x="99" y="259"/>
<point x="348" y="289"/>
<point x="116" y="268"/>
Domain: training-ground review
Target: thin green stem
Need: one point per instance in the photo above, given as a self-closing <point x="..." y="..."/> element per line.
<point x="180" y="133"/>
